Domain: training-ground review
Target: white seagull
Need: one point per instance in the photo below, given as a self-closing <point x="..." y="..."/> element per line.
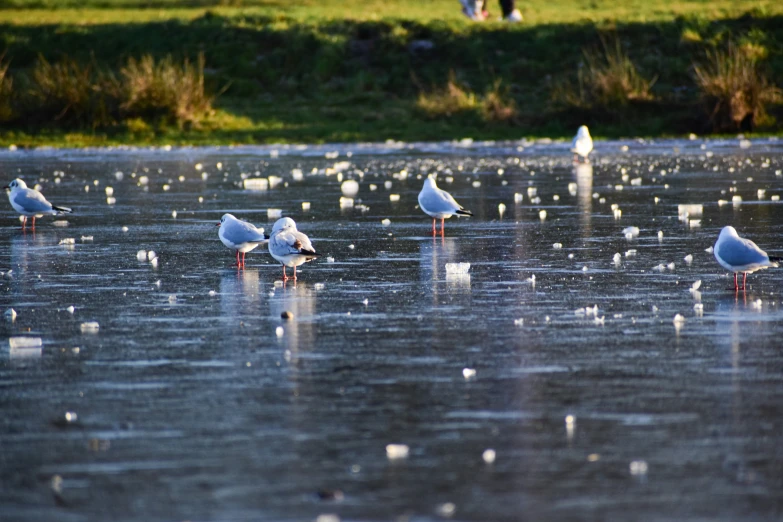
<point x="240" y="236"/>
<point x="29" y="202"/>
<point x="289" y="246"/>
<point x="582" y="144"/>
<point x="438" y="203"/>
<point x="741" y="255"/>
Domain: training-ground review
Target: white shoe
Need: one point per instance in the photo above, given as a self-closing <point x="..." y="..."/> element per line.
<point x="515" y="16"/>
<point x="472" y="9"/>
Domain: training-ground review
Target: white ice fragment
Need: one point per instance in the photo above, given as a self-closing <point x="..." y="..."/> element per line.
<point x="585" y="269"/>
<point x="599" y="320"/>
<point x="678" y="319"/>
<point x="330" y="259"/>
<point x="11" y="314"/>
<point x="532" y="192"/>
<point x="198" y="166"/>
<point x="446" y="510"/>
<point x="351" y="246"/>
<point x="555" y="198"/>
<point x="618" y="213"/>
<point x="690" y="210"/>
<point x="698" y="308"/>
<point x="279" y="331"/>
<point x="756" y="305"/>
<point x="736" y="199"/>
<point x="386" y="222"/>
<point x="468" y="373"/>
<point x="722" y="202"/>
<point x="774" y="198"/>
<point x="708" y="250"/>
<point x="636" y="181"/>
<point x="617" y="258"/>
<point x="744" y="144"/>
<point x="256" y="184"/>
<point x="349" y="187"/>
<point x="670" y="266"/>
<point x="144" y="180"/>
<point x="501" y="209"/>
<point x="557" y="246"/>
<point x="570" y="256"/>
<point x="141" y="255"/>
<point x="518" y="197"/>
<point x="489" y="456"/>
<point x="659" y="268"/>
<point x="638" y="467"/>
<point x="166" y="187"/>
<point x="373" y="187"/>
<point x="305" y="205"/>
<point x="695" y="286"/>
<point x="630" y="253"/>
<point x="532" y="279"/>
<point x="87" y="238"/>
<point x="174" y="214"/>
<point x="90" y="326"/>
<point x="694" y="223"/>
<point x="572" y="188"/>
<point x="519" y="322"/>
<point x="154" y="262"/>
<point x="660" y="234"/>
<point x="70" y="309"/>
<point x="274" y="213"/>
<point x="274" y="181"/>
<point x="542" y="215"/>
<point x="327" y="517"/>
<point x="212" y="293"/>
<point x="630" y="232"/>
<point x="25" y="346"/>
<point x="109" y="191"/>
<point x="346" y="202"/>
<point x="688" y="259"/>
<point x="124" y="229"/>
<point x="476" y="184"/>
<point x="68" y="241"/>
<point x="761" y="193"/>
<point x="151" y="255"/>
<point x="457" y="268"/>
<point x="396" y="451"/>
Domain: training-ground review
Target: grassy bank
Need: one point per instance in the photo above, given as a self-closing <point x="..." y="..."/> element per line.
<point x="304" y="71"/>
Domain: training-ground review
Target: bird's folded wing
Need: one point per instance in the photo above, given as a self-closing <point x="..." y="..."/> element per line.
<point x="32" y="201"/>
<point x="740" y="252"/>
<point x="249" y="233"/>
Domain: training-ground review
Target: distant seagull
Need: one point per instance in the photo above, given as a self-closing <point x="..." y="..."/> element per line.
<point x="289" y="246"/>
<point x="582" y="144"/>
<point x="741" y="255"/>
<point x="29" y="202"/>
<point x="240" y="236"/>
<point x="438" y="203"/>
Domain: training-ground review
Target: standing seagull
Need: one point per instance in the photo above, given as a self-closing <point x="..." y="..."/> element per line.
<point x="438" y="203"/>
<point x="289" y="246"/>
<point x="740" y="255"/>
<point x="240" y="236"/>
<point x="582" y="144"/>
<point x="29" y="202"/>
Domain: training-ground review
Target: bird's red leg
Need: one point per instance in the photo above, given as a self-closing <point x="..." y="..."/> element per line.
<point x="294" y="272"/>
<point x="24" y="222"/>
<point x="33" y="222"/>
<point x="744" y="277"/>
<point x="433" y="226"/>
<point x="237" y="257"/>
<point x="442" y="221"/>
<point x="243" y="259"/>
<point x="285" y="277"/>
<point x="736" y="286"/>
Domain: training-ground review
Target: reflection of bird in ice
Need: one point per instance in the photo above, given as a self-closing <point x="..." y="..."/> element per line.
<point x="289" y="246"/>
<point x="240" y="236"/>
<point x="582" y="144"/>
<point x="584" y="194"/>
<point x="741" y="255"/>
<point x="438" y="203"/>
<point x="29" y="202"/>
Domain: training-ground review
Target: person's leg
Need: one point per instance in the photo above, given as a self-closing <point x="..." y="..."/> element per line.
<point x="507" y="7"/>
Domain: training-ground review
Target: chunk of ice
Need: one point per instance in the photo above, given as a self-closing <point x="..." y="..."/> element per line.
<point x="386" y="222"/>
<point x="557" y="246"/>
<point x="274" y="213"/>
<point x="688" y="259"/>
<point x="397" y="451"/>
<point x="256" y="184"/>
<point x="90" y="326"/>
<point x="457" y="268"/>
<point x="349" y="187"/>
<point x="68" y="241"/>
<point x="468" y="373"/>
<point x="346" y="202"/>
<point x="489" y="456"/>
<point x="542" y="215"/>
<point x="141" y="255"/>
<point x="630" y="232"/>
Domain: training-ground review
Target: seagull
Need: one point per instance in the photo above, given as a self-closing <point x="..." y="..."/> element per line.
<point x="741" y="255"/>
<point x="438" y="203"/>
<point x="582" y="144"/>
<point x="289" y="246"/>
<point x="29" y="202"/>
<point x="240" y="236"/>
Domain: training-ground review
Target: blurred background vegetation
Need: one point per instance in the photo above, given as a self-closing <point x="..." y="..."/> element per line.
<point x="92" y="72"/>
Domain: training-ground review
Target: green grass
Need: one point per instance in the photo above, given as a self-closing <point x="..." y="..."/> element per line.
<point x="329" y="70"/>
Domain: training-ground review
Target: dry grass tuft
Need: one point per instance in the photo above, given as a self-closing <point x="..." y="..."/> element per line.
<point x="449" y="100"/>
<point x="497" y="105"/>
<point x="611" y="78"/>
<point x="6" y="91"/>
<point x="165" y="89"/>
<point x="734" y="90"/>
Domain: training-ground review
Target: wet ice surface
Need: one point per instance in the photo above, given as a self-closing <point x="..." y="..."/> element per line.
<point x="399" y="389"/>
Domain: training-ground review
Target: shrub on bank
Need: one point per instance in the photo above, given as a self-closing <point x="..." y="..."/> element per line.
<point x="733" y="89"/>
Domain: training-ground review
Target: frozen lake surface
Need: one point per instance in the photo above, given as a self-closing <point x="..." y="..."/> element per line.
<point x="194" y="400"/>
